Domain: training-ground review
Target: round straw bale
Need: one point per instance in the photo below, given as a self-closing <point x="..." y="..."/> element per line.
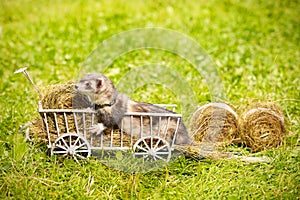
<point x="262" y="126"/>
<point x="215" y="124"/>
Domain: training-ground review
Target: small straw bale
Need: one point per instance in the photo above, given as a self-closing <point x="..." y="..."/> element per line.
<point x="215" y="124"/>
<point x="63" y="96"/>
<point x="262" y="126"/>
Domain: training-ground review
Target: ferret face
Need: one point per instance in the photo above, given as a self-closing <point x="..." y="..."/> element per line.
<point x="97" y="87"/>
<point x="89" y="84"/>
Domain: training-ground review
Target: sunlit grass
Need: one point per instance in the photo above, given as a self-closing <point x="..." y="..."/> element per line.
<point x="254" y="44"/>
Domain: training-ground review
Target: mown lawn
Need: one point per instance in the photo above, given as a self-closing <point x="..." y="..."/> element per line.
<point x="255" y="45"/>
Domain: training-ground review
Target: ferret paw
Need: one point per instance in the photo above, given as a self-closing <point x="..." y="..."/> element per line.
<point x="97" y="128"/>
<point x="89" y="109"/>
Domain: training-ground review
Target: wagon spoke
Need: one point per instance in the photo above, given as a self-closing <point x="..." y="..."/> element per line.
<point x="159" y="157"/>
<point x="157" y="143"/>
<point x="70" y="140"/>
<point x="62" y="147"/>
<point x="82" y="151"/>
<point x="154" y="158"/>
<point x="79" y="156"/>
<point x="65" y="142"/>
<point x="161" y="148"/>
<point x="147" y="146"/>
<point x="142" y="148"/>
<point x="76" y="141"/>
<point x="78" y="147"/>
<point x="164" y="153"/>
<point x="76" y="160"/>
<point x="60" y="152"/>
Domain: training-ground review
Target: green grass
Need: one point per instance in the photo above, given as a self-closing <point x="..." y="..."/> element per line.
<point x="255" y="45"/>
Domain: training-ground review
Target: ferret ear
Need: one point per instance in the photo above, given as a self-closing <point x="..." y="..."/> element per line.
<point x="99" y="83"/>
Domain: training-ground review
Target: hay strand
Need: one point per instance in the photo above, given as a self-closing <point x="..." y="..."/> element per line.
<point x="197" y="152"/>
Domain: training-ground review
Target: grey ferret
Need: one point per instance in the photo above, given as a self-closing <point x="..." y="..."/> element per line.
<point x="111" y="107"/>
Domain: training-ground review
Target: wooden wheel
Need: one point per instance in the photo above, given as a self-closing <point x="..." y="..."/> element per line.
<point x="152" y="148"/>
<point x="71" y="144"/>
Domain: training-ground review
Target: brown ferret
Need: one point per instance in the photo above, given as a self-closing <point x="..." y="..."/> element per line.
<point x="111" y="107"/>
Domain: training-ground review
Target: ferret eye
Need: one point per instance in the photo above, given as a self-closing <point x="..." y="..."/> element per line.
<point x="87" y="84"/>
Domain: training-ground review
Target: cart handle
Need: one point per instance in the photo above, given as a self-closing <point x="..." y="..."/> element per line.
<point x="23" y="70"/>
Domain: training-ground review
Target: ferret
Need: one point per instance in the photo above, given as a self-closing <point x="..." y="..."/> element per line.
<point x="111" y="107"/>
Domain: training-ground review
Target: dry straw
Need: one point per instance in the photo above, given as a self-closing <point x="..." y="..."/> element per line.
<point x="199" y="152"/>
<point x="63" y="96"/>
<point x="215" y="124"/>
<point x="262" y="126"/>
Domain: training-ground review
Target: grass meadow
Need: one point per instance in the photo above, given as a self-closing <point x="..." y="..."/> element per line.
<point x="253" y="43"/>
